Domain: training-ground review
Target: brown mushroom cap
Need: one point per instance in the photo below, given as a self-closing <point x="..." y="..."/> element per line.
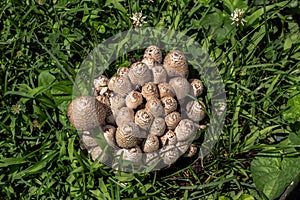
<point x="185" y="130"/>
<point x="85" y="113"/>
<point x="197" y="87"/>
<point x="153" y="52"/>
<point x="195" y="110"/>
<point x="165" y="90"/>
<point x="159" y="74"/>
<point x="150" y="144"/>
<point x="155" y="107"/>
<point x="175" y="64"/>
<point x="150" y="90"/>
<point x="139" y="74"/>
<point x="158" y="126"/>
<point x="134" y="99"/>
<point x="172" y="119"/>
<point x="126" y="135"/>
<point x="181" y="87"/>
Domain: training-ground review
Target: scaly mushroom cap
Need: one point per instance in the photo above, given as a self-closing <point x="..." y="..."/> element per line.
<point x="139" y="74"/>
<point x="169" y="104"/>
<point x="169" y="138"/>
<point x="195" y="110"/>
<point x="85" y="113"/>
<point x="181" y="87"/>
<point x="88" y="141"/>
<point x="197" y="87"/>
<point x="103" y="99"/>
<point x="158" y="126"/>
<point x="175" y="64"/>
<point x="192" y="151"/>
<point x="153" y="52"/>
<point x="155" y="107"/>
<point x="100" y="83"/>
<point x="112" y="82"/>
<point x="134" y="99"/>
<point x="150" y="90"/>
<point x="123" y="71"/>
<point x="109" y="133"/>
<point x="185" y="130"/>
<point x="134" y="155"/>
<point x="116" y="103"/>
<point x="126" y="135"/>
<point x="143" y="118"/>
<point x="150" y="144"/>
<point x="151" y="158"/>
<point x="124" y="115"/>
<point x="165" y="90"/>
<point x="172" y="119"/>
<point x="169" y="154"/>
<point x="150" y="62"/>
<point x="122" y="85"/>
<point x="159" y="74"/>
<point x="98" y="154"/>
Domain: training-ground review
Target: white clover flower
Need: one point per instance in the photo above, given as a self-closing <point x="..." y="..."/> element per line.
<point x="237" y="17"/>
<point x="15" y="109"/>
<point x="137" y="20"/>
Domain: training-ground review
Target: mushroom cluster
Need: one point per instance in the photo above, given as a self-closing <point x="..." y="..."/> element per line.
<point x="148" y="113"/>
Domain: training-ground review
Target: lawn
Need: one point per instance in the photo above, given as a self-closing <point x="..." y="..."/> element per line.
<point x="255" y="46"/>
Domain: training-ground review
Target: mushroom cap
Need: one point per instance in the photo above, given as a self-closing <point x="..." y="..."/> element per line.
<point x="150" y="62"/>
<point x="195" y="110"/>
<point x="116" y="103"/>
<point x="98" y="154"/>
<point x="181" y="87"/>
<point x="172" y="119"/>
<point x="197" y="87"/>
<point x="123" y="71"/>
<point x="85" y="113"/>
<point x="109" y="133"/>
<point x="169" y="104"/>
<point x="165" y="90"/>
<point x="158" y="126"/>
<point x="112" y="82"/>
<point x="155" y="107"/>
<point x="126" y="135"/>
<point x="134" y="99"/>
<point x="124" y="115"/>
<point x="100" y="82"/>
<point x="169" y="138"/>
<point x="143" y="118"/>
<point x="159" y="74"/>
<point x="150" y="144"/>
<point x="192" y="151"/>
<point x="153" y="52"/>
<point x="151" y="158"/>
<point x="176" y="64"/>
<point x="122" y="85"/>
<point x="133" y="155"/>
<point x="139" y="74"/>
<point x="150" y="90"/>
<point x="185" y="130"/>
<point x="169" y="154"/>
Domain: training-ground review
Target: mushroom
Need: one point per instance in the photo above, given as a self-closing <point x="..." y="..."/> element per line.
<point x="116" y="102"/>
<point x="165" y="90"/>
<point x="175" y="64"/>
<point x="100" y="83"/>
<point x="155" y="107"/>
<point x="172" y="119"/>
<point x="169" y="154"/>
<point x="182" y="147"/>
<point x="197" y="87"/>
<point x="124" y="115"/>
<point x="127" y="135"/>
<point x="181" y="87"/>
<point x="150" y="144"/>
<point x="169" y="104"/>
<point x="85" y="113"/>
<point x="150" y="62"/>
<point x="158" y="126"/>
<point x="169" y="138"/>
<point x="134" y="99"/>
<point x="185" y="130"/>
<point x="143" y="118"/>
<point x="112" y="82"/>
<point x="133" y="155"/>
<point x="153" y="52"/>
<point x="123" y="71"/>
<point x="151" y="158"/>
<point x="98" y="154"/>
<point x="195" y="110"/>
<point x="192" y="151"/>
<point x="159" y="74"/>
<point x="88" y="141"/>
<point x="122" y="85"/>
<point x="150" y="90"/>
<point x="139" y="74"/>
<point x="109" y="133"/>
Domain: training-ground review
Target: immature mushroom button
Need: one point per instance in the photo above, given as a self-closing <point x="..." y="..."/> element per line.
<point x="159" y="74"/>
<point x="153" y="52"/>
<point x="126" y="135"/>
<point x="85" y="113"/>
<point x="181" y="87"/>
<point x="175" y="64"/>
<point x="139" y="74"/>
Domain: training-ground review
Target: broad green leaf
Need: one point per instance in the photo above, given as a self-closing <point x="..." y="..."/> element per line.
<point x="272" y="173"/>
<point x="292" y="114"/>
<point x="45" y="78"/>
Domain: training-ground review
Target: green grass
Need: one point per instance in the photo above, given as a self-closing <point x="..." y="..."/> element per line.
<point x="42" y="47"/>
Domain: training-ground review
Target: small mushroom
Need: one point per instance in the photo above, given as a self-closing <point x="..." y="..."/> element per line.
<point x="123" y="71"/>
<point x="133" y="155"/>
<point x="151" y="158"/>
<point x="103" y="99"/>
<point x="109" y="133"/>
<point x="175" y="64"/>
<point x="153" y="52"/>
<point x="150" y="144"/>
<point x="116" y="102"/>
<point x="197" y="87"/>
<point x="185" y="130"/>
<point x="192" y="151"/>
<point x="169" y="154"/>
<point x="159" y="74"/>
<point x="182" y="147"/>
<point x="143" y="118"/>
<point x="195" y="110"/>
<point x="134" y="99"/>
<point x="98" y="154"/>
<point x="150" y="62"/>
<point x="100" y="83"/>
<point x="172" y="119"/>
<point x="169" y="104"/>
<point x="150" y="90"/>
<point x="122" y="85"/>
<point x="169" y="138"/>
<point x="158" y="126"/>
<point x="85" y="113"/>
<point x="112" y="82"/>
<point x="155" y="107"/>
<point x="88" y="141"/>
<point x="181" y="87"/>
<point x="124" y="115"/>
<point x="139" y="74"/>
<point x="127" y="135"/>
<point x="165" y="90"/>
